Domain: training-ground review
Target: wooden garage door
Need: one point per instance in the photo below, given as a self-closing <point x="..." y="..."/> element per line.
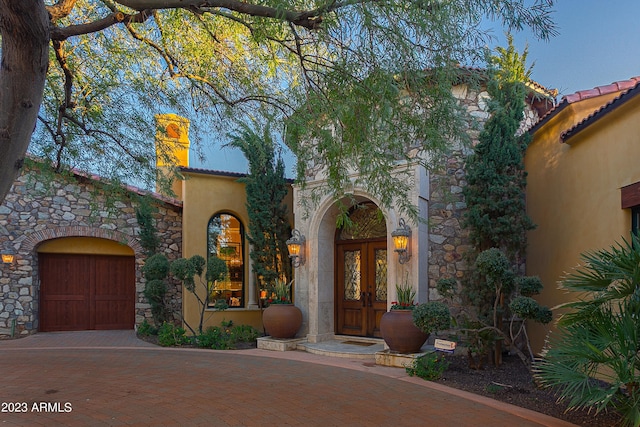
<point x="80" y="292"/>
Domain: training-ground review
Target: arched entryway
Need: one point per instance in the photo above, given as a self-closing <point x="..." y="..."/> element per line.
<point x="86" y="283"/>
<point x="361" y="272"/>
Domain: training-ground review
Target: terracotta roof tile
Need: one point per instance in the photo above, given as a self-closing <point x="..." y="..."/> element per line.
<point x="602" y="90"/>
<point x="585" y="94"/>
<point x="605" y="109"/>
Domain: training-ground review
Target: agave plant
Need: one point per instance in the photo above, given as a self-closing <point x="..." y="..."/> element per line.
<point x="593" y="361"/>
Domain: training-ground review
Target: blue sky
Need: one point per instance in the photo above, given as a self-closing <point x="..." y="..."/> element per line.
<point x="598" y="43"/>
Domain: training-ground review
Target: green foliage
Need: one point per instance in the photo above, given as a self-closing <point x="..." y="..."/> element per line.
<point x="496" y="179"/>
<point x="529" y="309"/>
<point x="155" y="271"/>
<point x="156" y="267"/>
<point x="187" y="269"/>
<point x="266" y="188"/>
<point x="216" y="269"/>
<point x="496" y="269"/>
<point x="149" y="239"/>
<point x="593" y="361"/>
<point x="529" y="285"/>
<point x="496" y="283"/>
<point x="145" y="329"/>
<point x="226" y="336"/>
<point x="406" y="296"/>
<point x="337" y="71"/>
<point x="244" y="333"/>
<point x="432" y="316"/>
<point x="446" y="287"/>
<point x="170" y="335"/>
<point x="430" y="367"/>
<point x="607" y="275"/>
<point x="184" y="271"/>
<point x="280" y="292"/>
<point x="215" y="337"/>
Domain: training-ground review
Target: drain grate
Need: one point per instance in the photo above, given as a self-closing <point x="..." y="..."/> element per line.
<point x="360" y="343"/>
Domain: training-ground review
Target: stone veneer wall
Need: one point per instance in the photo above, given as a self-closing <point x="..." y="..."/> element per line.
<point x="448" y="240"/>
<point x="33" y="213"/>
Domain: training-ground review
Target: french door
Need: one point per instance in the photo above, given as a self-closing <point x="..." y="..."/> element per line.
<point x="361" y="287"/>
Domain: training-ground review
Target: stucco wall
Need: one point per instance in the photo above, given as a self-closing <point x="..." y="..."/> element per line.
<point x="574" y="194"/>
<point x="34" y="213"/>
<point x="206" y="194"/>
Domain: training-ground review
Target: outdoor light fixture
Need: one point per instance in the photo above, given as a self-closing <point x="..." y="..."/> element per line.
<point x="7" y="258"/>
<point x="295" y="245"/>
<point x="401" y="236"/>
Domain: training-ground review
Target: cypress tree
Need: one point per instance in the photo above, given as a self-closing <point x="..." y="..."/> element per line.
<point x="266" y="189"/>
<point x="496" y="180"/>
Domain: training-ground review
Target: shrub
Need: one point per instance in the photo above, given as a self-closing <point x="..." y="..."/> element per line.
<point x="430" y="367"/>
<point x="145" y="329"/>
<point x="216" y="337"/>
<point x="170" y="335"/>
<point x="155" y="270"/>
<point x="432" y="316"/>
<point x="226" y="336"/>
<point x="244" y="333"/>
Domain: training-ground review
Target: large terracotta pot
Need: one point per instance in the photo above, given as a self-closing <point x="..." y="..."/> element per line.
<point x="282" y="320"/>
<point x="399" y="332"/>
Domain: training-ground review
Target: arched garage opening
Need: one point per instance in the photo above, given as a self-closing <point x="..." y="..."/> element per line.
<point x="86" y="283"/>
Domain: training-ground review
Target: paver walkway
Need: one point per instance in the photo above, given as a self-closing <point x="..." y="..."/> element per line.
<point x="111" y="378"/>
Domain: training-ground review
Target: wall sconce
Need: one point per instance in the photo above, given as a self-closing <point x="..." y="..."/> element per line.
<point x="295" y="245"/>
<point x="401" y="237"/>
<point x="8" y="258"/>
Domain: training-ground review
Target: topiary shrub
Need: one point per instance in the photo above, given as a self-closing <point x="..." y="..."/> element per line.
<point x="155" y="271"/>
<point x="432" y="316"/>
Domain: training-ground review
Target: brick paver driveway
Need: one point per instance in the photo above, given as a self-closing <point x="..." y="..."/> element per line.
<point x="69" y="384"/>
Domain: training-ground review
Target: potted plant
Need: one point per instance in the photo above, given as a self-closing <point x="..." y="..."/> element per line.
<point x="396" y="325"/>
<point x="281" y="319"/>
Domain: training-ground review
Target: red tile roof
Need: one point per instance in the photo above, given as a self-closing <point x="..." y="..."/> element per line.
<point x="618" y="101"/>
<point x="581" y="95"/>
<point x="602" y="90"/>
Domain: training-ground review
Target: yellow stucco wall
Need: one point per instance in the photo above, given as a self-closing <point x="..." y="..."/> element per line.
<point x="573" y="193"/>
<point x="205" y="195"/>
<point x="85" y="245"/>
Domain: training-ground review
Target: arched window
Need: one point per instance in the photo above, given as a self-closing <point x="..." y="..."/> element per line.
<point x="225" y="239"/>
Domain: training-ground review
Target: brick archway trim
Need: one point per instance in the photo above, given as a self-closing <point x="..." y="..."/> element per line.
<point x="34" y="239"/>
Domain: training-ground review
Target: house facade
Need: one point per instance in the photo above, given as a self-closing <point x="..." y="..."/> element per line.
<point x="76" y="261"/>
<point x="345" y="284"/>
<point x="347" y="281"/>
<point x="583" y="184"/>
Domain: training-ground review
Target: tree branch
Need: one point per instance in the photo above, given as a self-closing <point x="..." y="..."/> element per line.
<point x="311" y="19"/>
<point x="61" y="9"/>
<point x="59" y="33"/>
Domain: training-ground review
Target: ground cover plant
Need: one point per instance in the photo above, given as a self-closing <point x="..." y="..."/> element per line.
<point x="227" y="336"/>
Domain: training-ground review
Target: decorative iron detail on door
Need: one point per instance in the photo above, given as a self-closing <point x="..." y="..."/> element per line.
<point x="352" y="282"/>
<point x="381" y="274"/>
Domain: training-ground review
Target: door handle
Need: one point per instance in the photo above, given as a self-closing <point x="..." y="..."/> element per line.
<point x="363" y="297"/>
<point x="370" y="300"/>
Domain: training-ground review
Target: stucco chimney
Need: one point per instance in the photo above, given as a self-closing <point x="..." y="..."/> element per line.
<point x="172" y="150"/>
